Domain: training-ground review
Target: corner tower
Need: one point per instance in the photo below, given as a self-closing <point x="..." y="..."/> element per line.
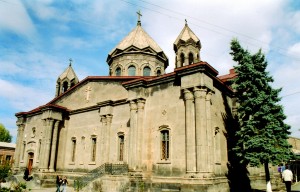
<point x="137" y="55"/>
<point x="66" y="80"/>
<point x="187" y="47"/>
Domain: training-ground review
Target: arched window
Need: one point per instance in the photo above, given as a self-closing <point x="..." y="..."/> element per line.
<point x="118" y="71"/>
<point x="146" y="71"/>
<point x="65" y="87"/>
<point x="73" y="149"/>
<point x="121" y="147"/>
<point x="158" y="72"/>
<point x="94" y="146"/>
<point x="191" y="58"/>
<point x="165" y="144"/>
<point x="131" y="70"/>
<point x="72" y="83"/>
<point x="182" y="59"/>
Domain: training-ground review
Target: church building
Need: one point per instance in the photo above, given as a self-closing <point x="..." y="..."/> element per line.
<point x="138" y="129"/>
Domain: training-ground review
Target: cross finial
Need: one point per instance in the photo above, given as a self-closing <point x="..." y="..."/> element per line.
<point x="139" y="17"/>
<point x="70" y="62"/>
<point x="185" y="21"/>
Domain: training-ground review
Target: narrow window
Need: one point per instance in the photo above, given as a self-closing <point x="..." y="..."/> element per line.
<point x="165" y="147"/>
<point x="191" y="58"/>
<point x="118" y="71"/>
<point x="146" y="71"/>
<point x="73" y="149"/>
<point x="182" y="59"/>
<point x="1" y="159"/>
<point x="7" y="158"/>
<point x="121" y="147"/>
<point x="33" y="132"/>
<point x="72" y="83"/>
<point x="94" y="142"/>
<point x="131" y="70"/>
<point x="65" y="86"/>
<point x="158" y="72"/>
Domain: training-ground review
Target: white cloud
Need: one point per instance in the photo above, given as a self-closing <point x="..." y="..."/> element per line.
<point x="16" y="94"/>
<point x="14" y="17"/>
<point x="215" y="25"/>
<point x="73" y="42"/>
<point x="294" y="50"/>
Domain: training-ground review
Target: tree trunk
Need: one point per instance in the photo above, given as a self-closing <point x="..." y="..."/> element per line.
<point x="268" y="180"/>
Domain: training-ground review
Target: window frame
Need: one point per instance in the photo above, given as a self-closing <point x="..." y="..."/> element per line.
<point x="129" y="71"/>
<point x="74" y="145"/>
<point x="148" y="72"/>
<point x="164" y="158"/>
<point x="93" y="148"/>
<point x="121" y="146"/>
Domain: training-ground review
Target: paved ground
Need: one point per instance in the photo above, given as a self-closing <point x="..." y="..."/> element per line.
<point x="69" y="189"/>
<point x="296" y="187"/>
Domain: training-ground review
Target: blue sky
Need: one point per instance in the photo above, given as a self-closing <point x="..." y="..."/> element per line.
<point x="37" y="38"/>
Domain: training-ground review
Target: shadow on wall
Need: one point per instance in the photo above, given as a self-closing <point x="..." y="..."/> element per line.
<point x="237" y="175"/>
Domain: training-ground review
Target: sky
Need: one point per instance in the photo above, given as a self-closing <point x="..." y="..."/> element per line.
<point x="37" y="39"/>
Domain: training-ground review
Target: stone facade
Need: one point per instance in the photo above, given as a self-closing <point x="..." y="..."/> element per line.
<point x="168" y="128"/>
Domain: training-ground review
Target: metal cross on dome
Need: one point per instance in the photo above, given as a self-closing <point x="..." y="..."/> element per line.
<point x="139" y="16"/>
<point x="70" y="62"/>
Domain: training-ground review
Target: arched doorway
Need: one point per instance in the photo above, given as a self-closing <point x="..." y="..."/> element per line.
<point x="30" y="162"/>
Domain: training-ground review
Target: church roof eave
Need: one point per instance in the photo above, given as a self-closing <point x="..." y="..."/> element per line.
<point x="159" y="55"/>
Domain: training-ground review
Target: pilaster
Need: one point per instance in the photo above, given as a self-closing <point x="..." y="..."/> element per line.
<point x="107" y="140"/>
<point x="54" y="146"/>
<point x="18" y="151"/>
<point x="201" y="132"/>
<point x="132" y="136"/>
<point x="46" y="149"/>
<point x="140" y="130"/>
<point x="210" y="133"/>
<point x="190" y="132"/>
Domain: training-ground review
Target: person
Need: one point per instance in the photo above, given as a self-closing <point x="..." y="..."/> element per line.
<point x="58" y="183"/>
<point x="287" y="176"/>
<point x="26" y="174"/>
<point x="64" y="184"/>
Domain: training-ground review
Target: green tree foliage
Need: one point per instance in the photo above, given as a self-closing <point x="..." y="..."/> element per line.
<point x="4" y="134"/>
<point x="262" y="136"/>
<point x="4" y="171"/>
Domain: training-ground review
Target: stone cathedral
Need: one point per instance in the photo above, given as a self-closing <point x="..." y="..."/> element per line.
<point x="138" y="129"/>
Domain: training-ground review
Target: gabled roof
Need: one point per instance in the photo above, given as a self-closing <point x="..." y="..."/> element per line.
<point x="139" y="39"/>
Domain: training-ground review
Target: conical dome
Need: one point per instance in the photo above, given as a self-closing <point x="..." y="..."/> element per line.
<point x="186" y="35"/>
<point x="137" y="50"/>
<point x="187" y="47"/>
<point x="139" y="39"/>
<point x="69" y="73"/>
<point x="66" y="80"/>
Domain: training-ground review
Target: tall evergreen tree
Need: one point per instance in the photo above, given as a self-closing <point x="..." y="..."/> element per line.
<point x="262" y="136"/>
